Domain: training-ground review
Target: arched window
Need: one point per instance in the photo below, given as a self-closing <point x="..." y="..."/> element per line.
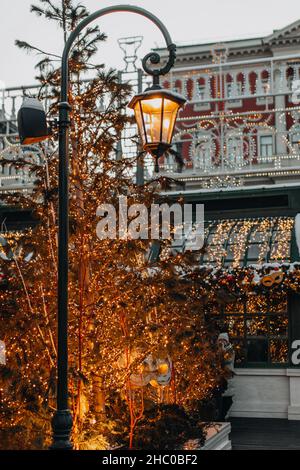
<point x="263" y="84"/>
<point x="177" y="87"/>
<point x="252" y="81"/>
<point x="200" y="91"/>
<point x="290" y="77"/>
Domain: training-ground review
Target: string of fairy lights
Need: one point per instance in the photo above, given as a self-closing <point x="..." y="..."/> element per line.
<point x="113" y="309"/>
<point x="131" y="333"/>
<point x="246" y="272"/>
<point x="231" y="241"/>
<point x="124" y="306"/>
<point x="208" y="136"/>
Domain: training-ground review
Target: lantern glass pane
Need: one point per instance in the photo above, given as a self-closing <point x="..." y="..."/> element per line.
<point x="152" y="114"/>
<point x="139" y="120"/>
<point x="169" y="118"/>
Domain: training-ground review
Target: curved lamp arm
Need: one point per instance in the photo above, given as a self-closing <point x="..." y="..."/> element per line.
<point x="152" y="56"/>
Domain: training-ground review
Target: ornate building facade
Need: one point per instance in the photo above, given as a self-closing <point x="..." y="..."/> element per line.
<point x="241" y="125"/>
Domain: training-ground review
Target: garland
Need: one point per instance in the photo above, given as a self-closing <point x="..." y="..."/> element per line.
<point x="231" y="284"/>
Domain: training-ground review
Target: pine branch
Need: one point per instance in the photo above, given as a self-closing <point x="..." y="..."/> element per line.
<point x="43" y="64"/>
<point x="37" y="10"/>
<point x="52" y="12"/>
<point x="28" y="48"/>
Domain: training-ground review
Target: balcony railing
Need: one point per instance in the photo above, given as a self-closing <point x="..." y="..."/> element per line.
<point x="242" y="118"/>
<point x="274" y="163"/>
<point x="217" y="136"/>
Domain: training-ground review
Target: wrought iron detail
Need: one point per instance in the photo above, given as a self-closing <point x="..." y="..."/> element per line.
<point x="155" y="59"/>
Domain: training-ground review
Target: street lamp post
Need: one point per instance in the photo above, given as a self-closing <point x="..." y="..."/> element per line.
<point x="156" y="111"/>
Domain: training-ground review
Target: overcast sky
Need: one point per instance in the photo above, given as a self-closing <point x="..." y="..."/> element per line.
<point x="187" y="20"/>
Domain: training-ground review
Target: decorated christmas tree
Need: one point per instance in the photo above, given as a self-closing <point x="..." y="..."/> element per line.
<point x="139" y="346"/>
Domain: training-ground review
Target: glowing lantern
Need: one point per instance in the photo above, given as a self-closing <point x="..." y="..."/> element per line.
<point x="156" y="111"/>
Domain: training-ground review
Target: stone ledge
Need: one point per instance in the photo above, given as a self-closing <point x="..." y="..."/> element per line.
<point x="217" y="438"/>
<point x="268" y="372"/>
<point x="294" y="412"/>
<point x="261" y="372"/>
<point x="293" y="372"/>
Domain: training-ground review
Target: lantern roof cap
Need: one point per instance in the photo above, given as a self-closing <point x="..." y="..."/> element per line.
<point x="157" y="92"/>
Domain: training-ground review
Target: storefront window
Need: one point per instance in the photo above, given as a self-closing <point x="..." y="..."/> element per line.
<point x="258" y="329"/>
<point x="257" y="324"/>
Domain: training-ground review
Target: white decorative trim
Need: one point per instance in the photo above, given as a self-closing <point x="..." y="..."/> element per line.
<point x="293" y="372"/>
<point x="261" y="372"/>
<point x="267" y="393"/>
<point x="278" y="34"/>
<point x="268" y="372"/>
<point x="202" y="106"/>
<point x="294" y="413"/>
<point x="259" y="414"/>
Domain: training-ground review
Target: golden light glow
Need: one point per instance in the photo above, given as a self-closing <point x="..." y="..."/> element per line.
<point x="163" y="368"/>
<point x="159" y="116"/>
<point x="156" y="112"/>
<point x="34" y="140"/>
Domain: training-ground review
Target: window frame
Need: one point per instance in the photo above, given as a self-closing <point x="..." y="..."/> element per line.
<point x="239" y="88"/>
<point x="263" y="136"/>
<point x="245" y="316"/>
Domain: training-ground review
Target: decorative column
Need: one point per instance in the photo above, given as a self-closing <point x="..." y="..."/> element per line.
<point x="247" y="89"/>
<point x="185" y="92"/>
<point x="234" y="87"/>
<point x="280" y="118"/>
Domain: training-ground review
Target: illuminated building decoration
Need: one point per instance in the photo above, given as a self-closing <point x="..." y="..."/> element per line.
<point x="248" y="277"/>
<point x="242" y="242"/>
<point x="246" y="274"/>
<point x="239" y="137"/>
<point x="242" y="111"/>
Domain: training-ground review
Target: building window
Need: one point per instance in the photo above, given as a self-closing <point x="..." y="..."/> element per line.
<point x="258" y="328"/>
<point x="263" y="86"/>
<point x="295" y="141"/>
<point x="203" y="155"/>
<point x="233" y="89"/>
<point x="201" y="91"/>
<point x="266" y="145"/>
<point x="238" y="243"/>
<point x="257" y="324"/>
<point x="290" y="81"/>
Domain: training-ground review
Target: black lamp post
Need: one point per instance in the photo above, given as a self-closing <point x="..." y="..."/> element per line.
<point x="156" y="111"/>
